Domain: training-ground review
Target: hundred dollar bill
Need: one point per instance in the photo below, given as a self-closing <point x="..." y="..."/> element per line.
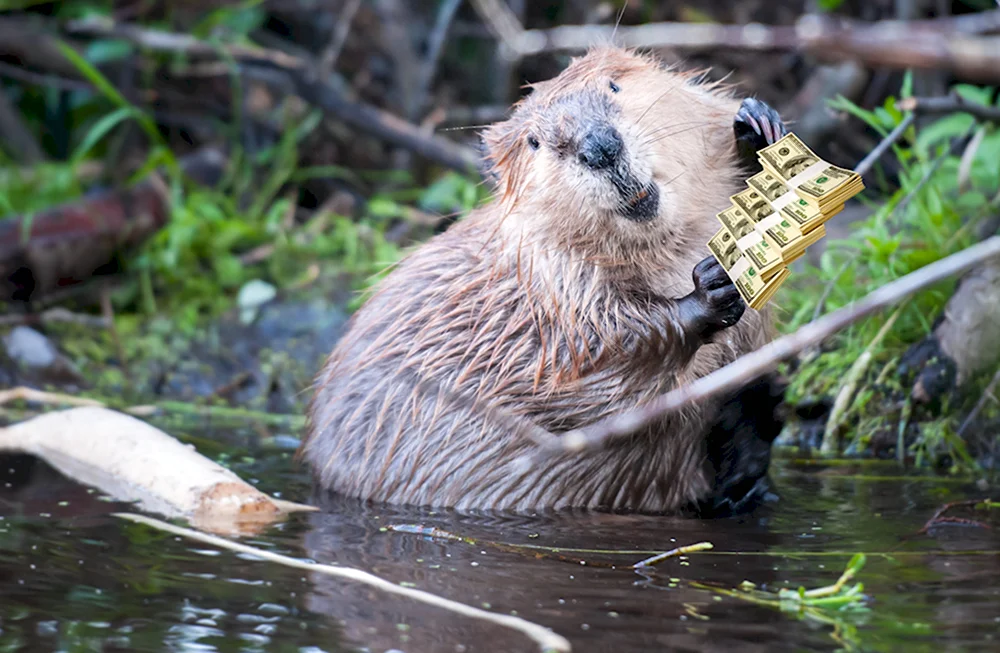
<point x="763" y="252"/>
<point x="749" y="283"/>
<point x="814" y="180"/>
<point x="725" y="251"/>
<point x="770" y="288"/>
<point x="805" y="216"/>
<point x="780" y="228"/>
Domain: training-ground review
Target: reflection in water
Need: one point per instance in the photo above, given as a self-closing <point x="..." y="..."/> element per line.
<point x="72" y="576"/>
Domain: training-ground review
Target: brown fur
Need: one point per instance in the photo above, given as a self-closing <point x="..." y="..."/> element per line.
<point x="548" y="307"/>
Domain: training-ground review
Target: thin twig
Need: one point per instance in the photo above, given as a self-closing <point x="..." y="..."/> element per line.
<point x="55" y="315"/>
<point x="845" y="396"/>
<point x="435" y="46"/>
<point x="821" y="304"/>
<point x="756" y="363"/>
<point x="673" y="553"/>
<point x="987" y="396"/>
<point x="930" y="172"/>
<point x="502" y="23"/>
<point x="546" y="639"/>
<point x="41" y="397"/>
<point x="340" y="32"/>
<point x="939" y="517"/>
<point x="866" y="163"/>
<point x="952" y="103"/>
<point x="21" y="143"/>
<point x="108" y="311"/>
<point x="173" y="42"/>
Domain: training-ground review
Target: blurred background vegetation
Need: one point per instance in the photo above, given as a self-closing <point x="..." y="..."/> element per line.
<point x="192" y="192"/>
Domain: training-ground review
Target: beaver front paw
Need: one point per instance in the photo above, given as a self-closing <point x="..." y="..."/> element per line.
<point x="756" y="126"/>
<point x="715" y="303"/>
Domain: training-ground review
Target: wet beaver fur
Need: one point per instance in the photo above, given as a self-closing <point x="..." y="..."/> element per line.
<point x="582" y="290"/>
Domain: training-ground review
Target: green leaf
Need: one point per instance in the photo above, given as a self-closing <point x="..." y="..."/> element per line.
<point x="380" y="207"/>
<point x="977" y="94"/>
<point x="941" y="130"/>
<point x="106" y="50"/>
<point x="101" y="129"/>
<point x="857" y="561"/>
<point x="95" y="77"/>
<point x="843" y="104"/>
<point x="907" y="87"/>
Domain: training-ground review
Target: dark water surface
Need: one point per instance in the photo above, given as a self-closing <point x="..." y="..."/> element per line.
<point x="76" y="579"/>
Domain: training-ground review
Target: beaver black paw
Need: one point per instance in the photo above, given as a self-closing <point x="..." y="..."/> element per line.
<point x="739" y="447"/>
<point x="715" y="303"/>
<point x="756" y="126"/>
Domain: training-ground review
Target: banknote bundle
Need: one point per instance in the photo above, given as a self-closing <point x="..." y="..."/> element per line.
<point x="781" y="213"/>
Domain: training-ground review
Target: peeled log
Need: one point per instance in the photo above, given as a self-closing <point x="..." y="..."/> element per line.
<point x="965" y="341"/>
<point x="131" y="460"/>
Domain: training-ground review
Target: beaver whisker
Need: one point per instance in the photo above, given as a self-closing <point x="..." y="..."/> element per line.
<point x="671" y="130"/>
<point x="652" y="104"/>
<point x="673" y="133"/>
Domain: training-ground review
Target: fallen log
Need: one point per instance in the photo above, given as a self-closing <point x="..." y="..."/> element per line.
<point x="66" y="244"/>
<point x="132" y="461"/>
<point x="952" y="44"/>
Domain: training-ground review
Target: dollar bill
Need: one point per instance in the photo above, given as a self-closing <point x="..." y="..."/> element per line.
<point x="750" y="284"/>
<point x="763" y="252"/>
<point x="724" y="249"/>
<point x="753" y="204"/>
<point x="767" y="185"/>
<point x="782" y="231"/>
<point x="805" y="215"/>
<point x="789" y="156"/>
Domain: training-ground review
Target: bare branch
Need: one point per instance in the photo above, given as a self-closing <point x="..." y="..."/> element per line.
<point x="953" y="103"/>
<point x="943" y="44"/>
<point x="340" y="32"/>
<point x="866" y="163"/>
<point x="278" y="69"/>
<point x="987" y="396"/>
<point x="546" y="639"/>
<point x="765" y="359"/>
<point x="435" y="47"/>
<point x="161" y="41"/>
<point x="21" y="143"/>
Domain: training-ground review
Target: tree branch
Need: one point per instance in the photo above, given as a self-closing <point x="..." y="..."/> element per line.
<point x="290" y="72"/>
<point x="953" y="103"/>
<point x="21" y="143"/>
<point x="866" y="163"/>
<point x="950" y="43"/>
<point x="756" y="363"/>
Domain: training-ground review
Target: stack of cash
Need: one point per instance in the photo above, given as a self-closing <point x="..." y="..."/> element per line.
<point x="781" y="213"/>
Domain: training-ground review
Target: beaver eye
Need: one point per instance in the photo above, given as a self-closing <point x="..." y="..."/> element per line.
<point x="614" y="87"/>
<point x="533" y="142"/>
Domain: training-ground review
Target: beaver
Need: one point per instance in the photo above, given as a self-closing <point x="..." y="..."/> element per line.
<point x="582" y="290"/>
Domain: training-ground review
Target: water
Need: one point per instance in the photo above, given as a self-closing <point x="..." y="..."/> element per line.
<point x="76" y="579"/>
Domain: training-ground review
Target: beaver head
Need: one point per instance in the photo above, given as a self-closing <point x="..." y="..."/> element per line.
<point x="616" y="150"/>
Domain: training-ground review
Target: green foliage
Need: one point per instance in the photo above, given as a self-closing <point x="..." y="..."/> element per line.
<point x="194" y="267"/>
<point x="931" y="214"/>
<point x="841" y="605"/>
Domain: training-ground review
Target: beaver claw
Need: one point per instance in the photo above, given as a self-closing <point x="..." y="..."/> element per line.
<point x="715" y="303"/>
<point x="756" y="126"/>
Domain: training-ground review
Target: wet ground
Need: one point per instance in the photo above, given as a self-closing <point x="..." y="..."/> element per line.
<point x="75" y="578"/>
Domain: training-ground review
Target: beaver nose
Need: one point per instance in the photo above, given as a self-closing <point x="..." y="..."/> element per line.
<point x="600" y="147"/>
